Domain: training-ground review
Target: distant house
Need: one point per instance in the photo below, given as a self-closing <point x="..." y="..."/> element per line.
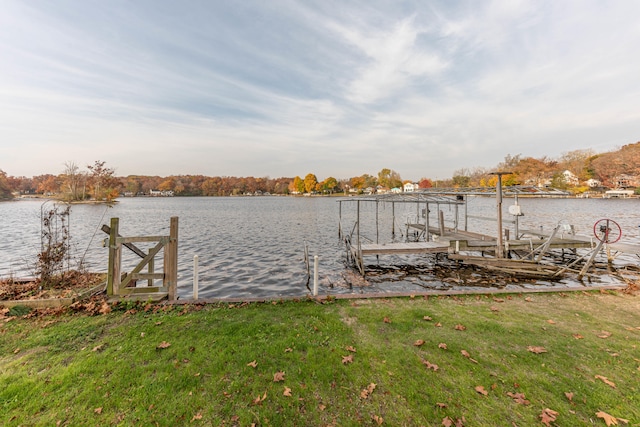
<point x="381" y="190"/>
<point x="570" y="178"/>
<point x="625" y="181"/>
<point x="593" y="183"/>
<point x="396" y="190"/>
<point x="410" y="187"/>
<point x="161" y="193"/>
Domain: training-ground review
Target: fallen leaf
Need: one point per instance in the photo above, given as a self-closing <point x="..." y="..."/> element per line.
<point x="438" y="325"/>
<point x="322" y="407"/>
<point x="253" y="364"/>
<point x="258" y="400"/>
<point x="551" y="322"/>
<point x="480" y="389"/>
<point x="351" y="349"/>
<point x="287" y="391"/>
<point x="466" y="354"/>
<point x="498" y="300"/>
<point x="365" y="393"/>
<point x="608" y="419"/>
<point x="98" y="410"/>
<point x="386" y="320"/>
<point x="442" y="346"/>
<point x="528" y="299"/>
<point x="441" y="405"/>
<point x="547" y="416"/>
<point x="197" y="416"/>
<point x="98" y="348"/>
<point x="427" y="318"/>
<point x="536" y="349"/>
<point x="604" y="334"/>
<point x="606" y="381"/>
<point x="447" y="422"/>
<point x="569" y="396"/>
<point x="460" y="327"/>
<point x="347" y="359"/>
<point x="378" y="420"/>
<point x="105" y="308"/>
<point x="578" y="336"/>
<point x="430" y="365"/>
<point x="418" y="343"/>
<point x="518" y="398"/>
<point x="16" y="351"/>
<point x="288" y="350"/>
<point x="278" y="376"/>
<point x="163" y="344"/>
<point x="494" y="309"/>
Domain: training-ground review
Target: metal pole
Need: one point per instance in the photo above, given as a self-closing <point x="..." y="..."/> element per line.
<point x="377" y="232"/>
<point x="500" y="252"/>
<point x="315" y="275"/>
<point x="393" y="220"/>
<point x="195" y="277"/>
<point x="358" y="223"/>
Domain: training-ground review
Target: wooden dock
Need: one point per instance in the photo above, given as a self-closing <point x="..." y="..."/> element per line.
<point x="513" y="250"/>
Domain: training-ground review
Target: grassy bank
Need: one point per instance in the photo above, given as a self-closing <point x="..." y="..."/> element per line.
<point x="475" y="361"/>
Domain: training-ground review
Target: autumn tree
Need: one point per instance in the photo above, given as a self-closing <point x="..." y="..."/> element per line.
<point x="5" y="191"/>
<point x="461" y="178"/>
<point x="74" y="182"/>
<point x="577" y="163"/>
<point x="609" y="166"/>
<point x="389" y="178"/>
<point x="168" y="184"/>
<point x="46" y="184"/>
<point x="104" y="186"/>
<point x="425" y="183"/>
<point x="310" y="182"/>
<point x="329" y="185"/>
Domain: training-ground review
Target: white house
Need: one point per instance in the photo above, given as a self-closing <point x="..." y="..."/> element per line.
<point x="410" y="187"/>
<point x="570" y="178"/>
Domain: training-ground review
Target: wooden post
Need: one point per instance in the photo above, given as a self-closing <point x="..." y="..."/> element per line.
<point x="113" y="275"/>
<point x="500" y="248"/>
<point x="171" y="260"/>
<point x="151" y="270"/>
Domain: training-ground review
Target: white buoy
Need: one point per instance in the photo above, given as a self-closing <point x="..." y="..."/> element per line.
<point x="195" y="277"/>
<point x="315" y="275"/>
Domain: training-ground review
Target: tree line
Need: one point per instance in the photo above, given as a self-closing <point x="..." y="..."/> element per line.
<point x="99" y="182"/>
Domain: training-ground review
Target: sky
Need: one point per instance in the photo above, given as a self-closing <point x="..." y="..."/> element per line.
<point x="334" y="88"/>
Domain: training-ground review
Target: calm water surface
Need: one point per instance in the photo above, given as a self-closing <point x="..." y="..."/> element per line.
<point x="254" y="246"/>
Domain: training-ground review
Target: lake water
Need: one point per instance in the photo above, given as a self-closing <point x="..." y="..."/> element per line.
<point x="254" y="246"/>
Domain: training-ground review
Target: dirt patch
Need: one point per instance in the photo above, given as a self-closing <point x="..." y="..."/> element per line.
<point x="70" y="285"/>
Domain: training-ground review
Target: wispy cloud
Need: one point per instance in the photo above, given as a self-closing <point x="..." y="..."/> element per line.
<point x="287" y="88"/>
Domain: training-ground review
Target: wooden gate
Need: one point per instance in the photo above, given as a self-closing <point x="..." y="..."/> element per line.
<point x="119" y="285"/>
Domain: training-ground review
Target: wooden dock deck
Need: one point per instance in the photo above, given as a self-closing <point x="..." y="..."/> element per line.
<point x="454" y="242"/>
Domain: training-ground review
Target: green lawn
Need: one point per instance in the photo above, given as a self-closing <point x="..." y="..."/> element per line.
<point x="477" y="361"/>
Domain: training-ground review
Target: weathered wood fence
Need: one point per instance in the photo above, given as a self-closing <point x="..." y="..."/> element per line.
<point x="119" y="284"/>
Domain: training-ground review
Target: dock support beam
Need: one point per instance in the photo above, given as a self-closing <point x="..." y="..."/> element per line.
<point x="500" y="248"/>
